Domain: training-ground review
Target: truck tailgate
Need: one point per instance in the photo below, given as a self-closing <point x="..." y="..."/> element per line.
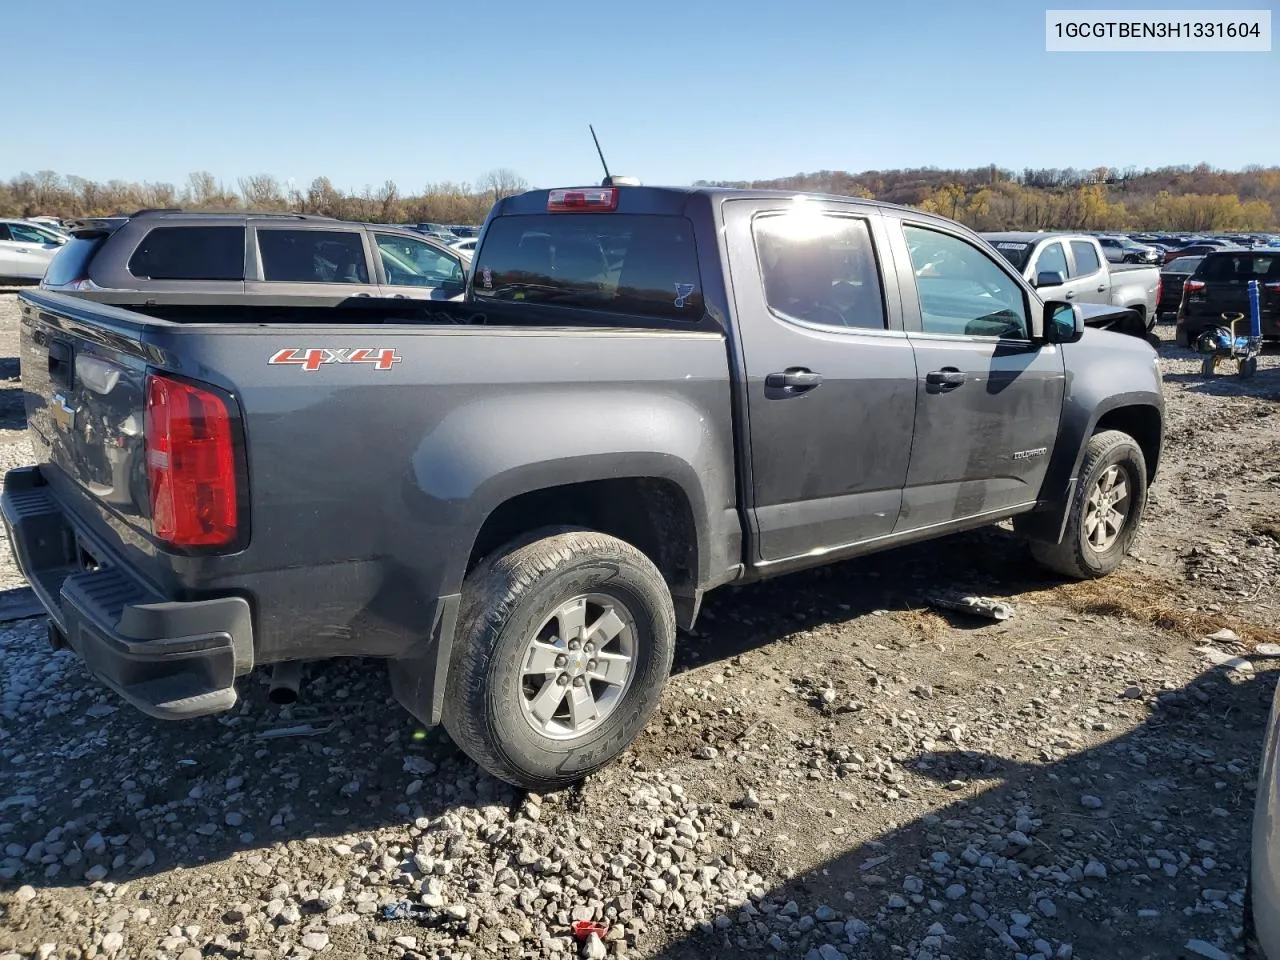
<point x="85" y="392"/>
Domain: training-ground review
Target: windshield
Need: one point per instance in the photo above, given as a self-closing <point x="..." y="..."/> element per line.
<point x="1183" y="265"/>
<point x="1017" y="252"/>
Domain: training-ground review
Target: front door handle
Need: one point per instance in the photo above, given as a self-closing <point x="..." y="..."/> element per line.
<point x="794" y="378"/>
<point x="1070" y="294"/>
<point x="946" y="377"/>
<point x="1102" y="288"/>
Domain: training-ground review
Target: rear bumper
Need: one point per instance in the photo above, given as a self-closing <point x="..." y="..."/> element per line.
<point x="170" y="659"/>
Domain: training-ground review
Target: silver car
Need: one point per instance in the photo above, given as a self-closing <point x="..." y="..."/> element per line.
<point x="26" y="249"/>
<point x="1263" y="905"/>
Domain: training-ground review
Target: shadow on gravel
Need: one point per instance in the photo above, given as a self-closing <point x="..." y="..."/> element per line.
<point x="343" y="759"/>
<point x="1265" y="384"/>
<point x="989" y="561"/>
<point x="119" y="796"/>
<point x="1165" y="828"/>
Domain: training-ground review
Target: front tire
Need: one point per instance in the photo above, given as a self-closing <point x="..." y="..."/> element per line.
<point x="1106" y="510"/>
<point x="564" y="641"/>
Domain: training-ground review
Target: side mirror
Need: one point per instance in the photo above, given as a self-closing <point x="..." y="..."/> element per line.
<point x="1050" y="278"/>
<point x="1063" y="322"/>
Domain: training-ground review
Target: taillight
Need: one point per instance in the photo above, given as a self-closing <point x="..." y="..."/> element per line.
<point x="1193" y="286"/>
<point x="1273" y="287"/>
<point x="191" y="464"/>
<point x="582" y="200"/>
<point x="1159" y="288"/>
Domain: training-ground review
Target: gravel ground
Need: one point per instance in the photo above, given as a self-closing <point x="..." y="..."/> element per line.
<point x="836" y="771"/>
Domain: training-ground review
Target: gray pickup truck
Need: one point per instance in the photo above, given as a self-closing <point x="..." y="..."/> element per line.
<point x="1072" y="266"/>
<point x="516" y="499"/>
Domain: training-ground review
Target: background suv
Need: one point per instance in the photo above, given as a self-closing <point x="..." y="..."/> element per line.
<point x="164" y="258"/>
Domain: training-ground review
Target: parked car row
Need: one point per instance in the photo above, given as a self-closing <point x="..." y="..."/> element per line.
<point x="26" y="248"/>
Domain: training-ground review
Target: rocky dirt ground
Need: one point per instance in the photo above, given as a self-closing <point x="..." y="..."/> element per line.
<point x="836" y="770"/>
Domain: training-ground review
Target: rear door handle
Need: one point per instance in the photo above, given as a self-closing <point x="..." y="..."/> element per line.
<point x="946" y="377"/>
<point x="1070" y="294"/>
<point x="1102" y="288"/>
<point x="793" y="380"/>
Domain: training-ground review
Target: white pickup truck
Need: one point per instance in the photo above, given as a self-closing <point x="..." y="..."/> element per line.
<point x="1071" y="266"/>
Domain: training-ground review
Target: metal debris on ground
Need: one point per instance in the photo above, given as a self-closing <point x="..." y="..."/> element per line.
<point x="300" y="730"/>
<point x="978" y="606"/>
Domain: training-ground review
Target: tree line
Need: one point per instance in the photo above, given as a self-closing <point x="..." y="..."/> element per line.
<point x="48" y="193"/>
<point x="1185" y="198"/>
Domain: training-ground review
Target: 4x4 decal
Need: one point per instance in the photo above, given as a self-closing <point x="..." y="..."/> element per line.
<point x="313" y="358"/>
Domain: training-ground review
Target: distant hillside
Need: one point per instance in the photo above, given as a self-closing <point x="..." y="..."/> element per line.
<point x="988" y="198"/>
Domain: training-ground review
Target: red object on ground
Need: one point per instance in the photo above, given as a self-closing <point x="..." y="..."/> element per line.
<point x="582" y="929"/>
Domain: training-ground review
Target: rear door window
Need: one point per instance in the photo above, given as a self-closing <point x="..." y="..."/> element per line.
<point x="820" y="269"/>
<point x="638" y="264"/>
<point x="1086" y="258"/>
<point x="312" y="256"/>
<point x="190" y="253"/>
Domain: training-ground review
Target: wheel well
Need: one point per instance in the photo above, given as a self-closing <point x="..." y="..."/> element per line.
<point x="1143" y="424"/>
<point x="651" y="514"/>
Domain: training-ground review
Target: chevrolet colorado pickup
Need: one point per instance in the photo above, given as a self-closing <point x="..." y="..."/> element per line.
<point x="517" y="498"/>
<point x="1067" y="266"/>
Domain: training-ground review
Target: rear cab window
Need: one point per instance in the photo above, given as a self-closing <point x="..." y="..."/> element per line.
<point x="643" y="265"/>
<point x="190" y="253"/>
<point x="1239" y="268"/>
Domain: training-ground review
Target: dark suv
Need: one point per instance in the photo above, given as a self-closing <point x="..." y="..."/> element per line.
<point x="1219" y="290"/>
<point x="168" y="258"/>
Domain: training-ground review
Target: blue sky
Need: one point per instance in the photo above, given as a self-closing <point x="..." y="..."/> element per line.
<point x="679" y="90"/>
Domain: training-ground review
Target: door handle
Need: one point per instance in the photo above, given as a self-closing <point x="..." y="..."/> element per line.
<point x="946" y="377"/>
<point x="363" y="294"/>
<point x="1069" y="294"/>
<point x="1102" y="288"/>
<point x="793" y="380"/>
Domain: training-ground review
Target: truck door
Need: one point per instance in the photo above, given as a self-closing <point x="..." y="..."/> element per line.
<point x="988" y="396"/>
<point x="1092" y="280"/>
<point x="829" y="375"/>
<point x="1052" y="258"/>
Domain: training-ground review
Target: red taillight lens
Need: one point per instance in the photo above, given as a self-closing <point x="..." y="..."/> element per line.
<point x="583" y="199"/>
<point x="1159" y="288"/>
<point x="191" y="464"/>
<point x="1273" y="287"/>
<point x="1193" y="286"/>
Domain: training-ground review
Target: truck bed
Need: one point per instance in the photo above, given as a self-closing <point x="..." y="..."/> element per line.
<point x="366" y="442"/>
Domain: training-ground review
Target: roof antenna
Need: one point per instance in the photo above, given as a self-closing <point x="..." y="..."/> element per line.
<point x="610" y="180"/>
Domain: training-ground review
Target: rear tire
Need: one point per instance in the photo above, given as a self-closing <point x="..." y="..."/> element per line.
<point x="1101" y="524"/>
<point x="529" y="614"/>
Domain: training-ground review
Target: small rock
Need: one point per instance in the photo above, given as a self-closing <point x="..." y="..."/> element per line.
<point x="1224" y="636"/>
<point x="408" y="943"/>
<point x="1090" y="802"/>
<point x="1095" y="870"/>
<point x="1132" y="693"/>
<point x="955" y="891"/>
<point x="1268" y="650"/>
<point x="419" y="766"/>
<point x="1047" y="908"/>
<point x="594" y="949"/>
<point x="706" y="752"/>
<point x="315" y="941"/>
<point x="25" y="894"/>
<point x="112" y="943"/>
<point x="897" y="902"/>
<point x="1207" y="950"/>
<point x="1220" y="658"/>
